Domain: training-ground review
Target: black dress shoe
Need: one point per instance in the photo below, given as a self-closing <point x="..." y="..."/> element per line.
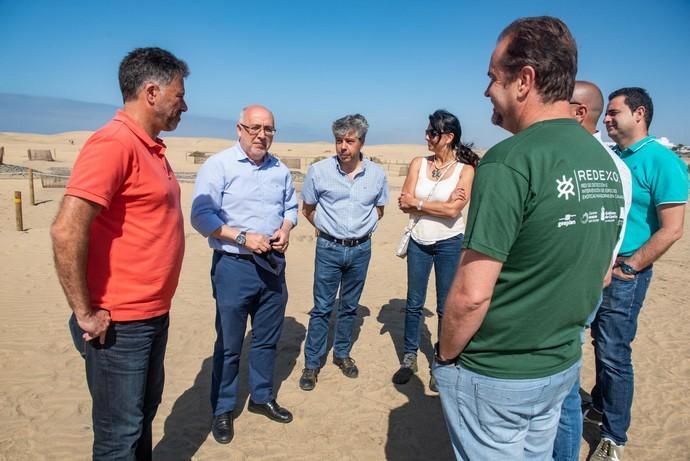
<point x="271" y="410"/>
<point x="308" y="380"/>
<point x="223" y="430"/>
<point x="347" y="366"/>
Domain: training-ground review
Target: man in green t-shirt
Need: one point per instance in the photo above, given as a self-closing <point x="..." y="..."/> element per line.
<point x="545" y="214"/>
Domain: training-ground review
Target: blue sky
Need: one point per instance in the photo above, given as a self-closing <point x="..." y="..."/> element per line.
<point x="313" y="61"/>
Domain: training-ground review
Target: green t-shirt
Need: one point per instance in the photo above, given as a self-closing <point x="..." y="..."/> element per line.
<point x="546" y="202"/>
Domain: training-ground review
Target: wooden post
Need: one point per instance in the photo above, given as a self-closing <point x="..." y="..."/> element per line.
<point x="2" y="153"/>
<point x="18" y="210"/>
<point x="31" y="187"/>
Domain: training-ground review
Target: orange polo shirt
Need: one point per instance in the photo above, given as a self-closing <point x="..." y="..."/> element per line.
<point x="137" y="240"/>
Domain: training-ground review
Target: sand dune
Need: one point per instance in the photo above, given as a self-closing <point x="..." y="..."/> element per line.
<point x="45" y="406"/>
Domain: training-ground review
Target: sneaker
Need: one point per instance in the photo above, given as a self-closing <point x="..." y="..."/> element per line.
<point x="592" y="416"/>
<point x="407" y="369"/>
<point x="607" y="450"/>
<point x="432" y="384"/>
<point x="347" y="366"/>
<point x="308" y="380"/>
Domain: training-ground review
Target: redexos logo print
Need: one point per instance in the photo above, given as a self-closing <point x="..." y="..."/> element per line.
<point x="565" y="187"/>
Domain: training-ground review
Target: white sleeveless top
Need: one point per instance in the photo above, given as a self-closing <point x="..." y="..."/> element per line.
<point x="431" y="229"/>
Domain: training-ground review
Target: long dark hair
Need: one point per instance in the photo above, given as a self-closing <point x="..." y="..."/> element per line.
<point x="443" y="121"/>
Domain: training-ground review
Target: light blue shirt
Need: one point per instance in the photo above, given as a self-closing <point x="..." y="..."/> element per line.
<point x="658" y="177"/>
<point x="230" y="189"/>
<point x="345" y="208"/>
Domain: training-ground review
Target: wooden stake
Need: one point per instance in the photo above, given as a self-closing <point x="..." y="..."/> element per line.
<point x="18" y="210"/>
<point x="31" y="187"/>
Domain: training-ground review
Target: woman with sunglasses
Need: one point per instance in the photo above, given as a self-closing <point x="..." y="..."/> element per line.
<point x="436" y="190"/>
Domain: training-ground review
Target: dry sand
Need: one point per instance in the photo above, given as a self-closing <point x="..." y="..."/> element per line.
<point x="45" y="405"/>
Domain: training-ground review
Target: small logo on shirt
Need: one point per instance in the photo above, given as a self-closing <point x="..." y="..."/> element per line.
<point x="567" y="220"/>
<point x="565" y="187"/>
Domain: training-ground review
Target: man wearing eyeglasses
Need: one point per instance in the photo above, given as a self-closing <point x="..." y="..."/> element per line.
<point x="245" y="203"/>
<point x="343" y="196"/>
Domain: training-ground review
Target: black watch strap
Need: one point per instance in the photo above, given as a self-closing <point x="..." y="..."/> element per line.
<point x="627" y="268"/>
<point x="442" y="362"/>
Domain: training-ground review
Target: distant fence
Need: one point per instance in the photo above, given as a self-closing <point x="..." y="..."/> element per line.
<point x="198" y="157"/>
<point x="49" y="181"/>
<point x="40" y="154"/>
<point x="293" y="163"/>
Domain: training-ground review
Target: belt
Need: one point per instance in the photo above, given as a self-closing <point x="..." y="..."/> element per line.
<point x="247" y="256"/>
<point x="345" y="242"/>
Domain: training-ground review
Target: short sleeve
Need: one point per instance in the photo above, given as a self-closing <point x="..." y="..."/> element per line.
<point x="382" y="199"/>
<point x="669" y="182"/>
<point x="100" y="170"/>
<point x="496" y="210"/>
<point x="309" y="195"/>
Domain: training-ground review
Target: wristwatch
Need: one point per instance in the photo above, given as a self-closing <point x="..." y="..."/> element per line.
<point x="443" y="362"/>
<point x="627" y="269"/>
<point x="241" y="238"/>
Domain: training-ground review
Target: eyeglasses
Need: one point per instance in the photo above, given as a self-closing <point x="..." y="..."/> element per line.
<point x="255" y="129"/>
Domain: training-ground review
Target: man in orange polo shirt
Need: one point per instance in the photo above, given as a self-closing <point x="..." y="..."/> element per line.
<point x="118" y="241"/>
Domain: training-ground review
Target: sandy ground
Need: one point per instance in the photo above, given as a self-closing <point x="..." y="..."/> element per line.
<point x="45" y="405"/>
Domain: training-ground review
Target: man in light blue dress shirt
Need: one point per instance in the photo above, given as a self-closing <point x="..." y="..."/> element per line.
<point x="343" y="196"/>
<point x="245" y="203"/>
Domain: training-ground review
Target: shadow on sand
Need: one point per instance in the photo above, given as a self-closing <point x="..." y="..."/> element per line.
<point x="416" y="430"/>
<point x="392" y="320"/>
<point x="189" y="423"/>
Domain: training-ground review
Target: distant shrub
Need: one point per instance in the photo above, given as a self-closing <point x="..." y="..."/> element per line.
<point x="376" y="160"/>
<point x="318" y="159"/>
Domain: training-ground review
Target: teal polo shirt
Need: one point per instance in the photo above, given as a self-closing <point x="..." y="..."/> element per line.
<point x="659" y="177"/>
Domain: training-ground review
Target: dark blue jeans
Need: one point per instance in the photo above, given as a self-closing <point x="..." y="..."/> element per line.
<point x="444" y="256"/>
<point x="613" y="331"/>
<point x="335" y="266"/>
<point x="242" y="289"/>
<point x="567" y="444"/>
<point x="125" y="378"/>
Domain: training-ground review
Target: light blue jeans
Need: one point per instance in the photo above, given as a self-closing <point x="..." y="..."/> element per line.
<point x="502" y="419"/>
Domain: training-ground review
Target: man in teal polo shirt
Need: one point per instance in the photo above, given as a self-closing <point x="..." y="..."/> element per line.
<point x="655" y="222"/>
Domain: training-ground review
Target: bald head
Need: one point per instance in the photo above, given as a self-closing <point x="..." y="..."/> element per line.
<point x="255" y="130"/>
<point x="255" y="109"/>
<point x="587" y="104"/>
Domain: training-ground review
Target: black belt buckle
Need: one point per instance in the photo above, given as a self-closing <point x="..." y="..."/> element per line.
<point x="351" y="243"/>
<point x="345" y="242"/>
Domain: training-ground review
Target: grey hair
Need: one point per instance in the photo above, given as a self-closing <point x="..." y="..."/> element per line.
<point x="351" y="123"/>
<point x="142" y="65"/>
